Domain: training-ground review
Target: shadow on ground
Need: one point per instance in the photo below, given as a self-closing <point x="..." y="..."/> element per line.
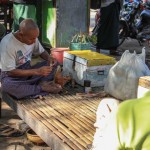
<point x="9" y="117"/>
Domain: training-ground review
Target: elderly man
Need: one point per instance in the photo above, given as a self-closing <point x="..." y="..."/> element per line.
<point x="18" y="77"/>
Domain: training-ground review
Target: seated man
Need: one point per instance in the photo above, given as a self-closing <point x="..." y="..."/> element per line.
<point x="128" y="127"/>
<point x="18" y="77"/>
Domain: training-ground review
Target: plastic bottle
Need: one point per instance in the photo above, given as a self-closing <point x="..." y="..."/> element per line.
<point x="87" y="86"/>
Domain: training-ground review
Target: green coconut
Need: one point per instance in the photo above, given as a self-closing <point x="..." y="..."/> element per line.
<point x="2" y="30"/>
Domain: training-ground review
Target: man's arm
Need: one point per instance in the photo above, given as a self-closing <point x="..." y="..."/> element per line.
<point x="51" y="61"/>
<point x="42" y="71"/>
<point x="45" y="56"/>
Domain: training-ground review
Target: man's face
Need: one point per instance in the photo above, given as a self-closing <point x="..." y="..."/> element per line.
<point x="30" y="37"/>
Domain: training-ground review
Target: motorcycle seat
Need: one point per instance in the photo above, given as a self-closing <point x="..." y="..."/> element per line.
<point x="145" y="14"/>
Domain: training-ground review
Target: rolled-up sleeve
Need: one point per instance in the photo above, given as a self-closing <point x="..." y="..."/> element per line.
<point x="38" y="49"/>
<point x="8" y="61"/>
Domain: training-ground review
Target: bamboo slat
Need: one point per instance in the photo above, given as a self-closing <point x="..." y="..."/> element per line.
<point x="56" y="129"/>
<point x="69" y="117"/>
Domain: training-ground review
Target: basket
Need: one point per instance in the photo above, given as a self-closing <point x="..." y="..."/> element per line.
<point x="33" y="137"/>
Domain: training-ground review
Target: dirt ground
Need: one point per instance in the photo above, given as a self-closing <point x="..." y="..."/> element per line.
<point x="133" y="45"/>
<point x="9" y="117"/>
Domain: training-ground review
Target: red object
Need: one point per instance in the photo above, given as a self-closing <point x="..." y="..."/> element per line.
<point x="3" y="1"/>
<point x="58" y="53"/>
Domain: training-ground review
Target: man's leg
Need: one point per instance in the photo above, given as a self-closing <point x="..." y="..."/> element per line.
<point x="50" y="77"/>
<point x="21" y="88"/>
<point x="25" y="87"/>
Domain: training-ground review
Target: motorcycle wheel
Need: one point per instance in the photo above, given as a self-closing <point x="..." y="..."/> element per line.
<point x="123" y="31"/>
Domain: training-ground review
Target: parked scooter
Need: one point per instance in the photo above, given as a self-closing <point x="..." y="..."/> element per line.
<point x="130" y="24"/>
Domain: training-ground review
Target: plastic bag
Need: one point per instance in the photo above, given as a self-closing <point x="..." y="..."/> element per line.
<point x="122" y="80"/>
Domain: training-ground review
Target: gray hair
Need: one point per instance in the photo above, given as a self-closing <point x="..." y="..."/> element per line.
<point x="28" y="25"/>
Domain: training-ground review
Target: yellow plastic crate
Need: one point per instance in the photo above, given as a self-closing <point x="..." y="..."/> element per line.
<point x="90" y="58"/>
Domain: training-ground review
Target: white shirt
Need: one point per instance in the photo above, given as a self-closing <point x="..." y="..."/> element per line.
<point x="14" y="53"/>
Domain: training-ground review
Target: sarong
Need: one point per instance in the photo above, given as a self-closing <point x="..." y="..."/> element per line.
<point x="25" y="87"/>
<point x="107" y="36"/>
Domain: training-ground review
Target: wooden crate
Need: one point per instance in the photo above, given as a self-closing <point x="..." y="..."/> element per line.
<point x="144" y="86"/>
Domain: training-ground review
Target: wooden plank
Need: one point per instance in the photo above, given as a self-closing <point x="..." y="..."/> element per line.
<point x="50" y="122"/>
<point x="65" y="120"/>
<point x="62" y="126"/>
<point x="63" y="129"/>
<point x="48" y="137"/>
<point x="66" y="117"/>
<point x="144" y="82"/>
<point x="73" y="114"/>
<point x="77" y="115"/>
<point x="72" y="118"/>
<point x="76" y="103"/>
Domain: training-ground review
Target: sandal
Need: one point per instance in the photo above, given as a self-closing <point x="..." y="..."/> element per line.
<point x="7" y="131"/>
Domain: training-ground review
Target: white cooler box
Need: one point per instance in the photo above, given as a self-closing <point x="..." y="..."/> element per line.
<point x="87" y="65"/>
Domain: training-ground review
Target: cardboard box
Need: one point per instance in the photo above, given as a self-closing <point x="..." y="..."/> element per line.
<point x="143" y="86"/>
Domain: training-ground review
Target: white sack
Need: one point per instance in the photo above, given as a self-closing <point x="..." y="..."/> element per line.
<point x="103" y="119"/>
<point x="122" y="81"/>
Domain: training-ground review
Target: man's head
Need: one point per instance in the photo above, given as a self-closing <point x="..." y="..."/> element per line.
<point x="28" y="31"/>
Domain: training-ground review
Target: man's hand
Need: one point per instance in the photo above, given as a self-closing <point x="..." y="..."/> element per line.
<point x="52" y="61"/>
<point x="45" y="70"/>
<point x="42" y="71"/>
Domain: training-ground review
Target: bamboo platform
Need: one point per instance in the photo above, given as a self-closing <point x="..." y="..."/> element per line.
<point x="64" y="121"/>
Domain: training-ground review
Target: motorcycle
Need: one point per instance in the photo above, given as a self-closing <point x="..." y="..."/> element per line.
<point x="133" y="18"/>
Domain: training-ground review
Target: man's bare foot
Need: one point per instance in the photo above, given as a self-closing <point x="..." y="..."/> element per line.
<point x="50" y="87"/>
<point x="62" y="80"/>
